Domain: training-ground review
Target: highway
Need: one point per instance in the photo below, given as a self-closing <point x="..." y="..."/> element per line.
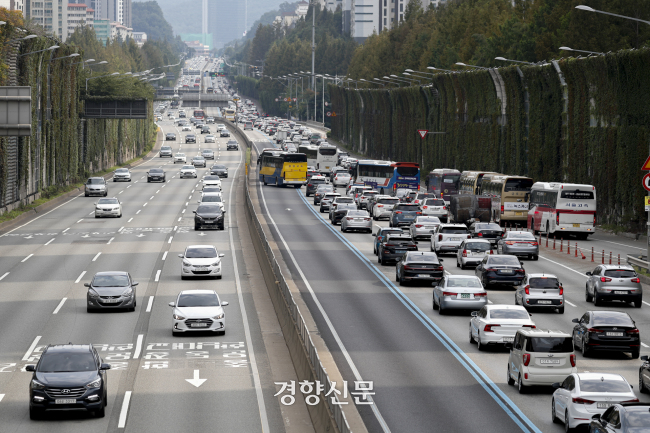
<point x="423" y="366"/>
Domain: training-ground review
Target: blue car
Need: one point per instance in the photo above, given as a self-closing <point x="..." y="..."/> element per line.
<point x="381" y="234"/>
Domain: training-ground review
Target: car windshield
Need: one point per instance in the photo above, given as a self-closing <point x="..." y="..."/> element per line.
<point x="509" y="314"/>
<point x="165" y="148"/>
<point x="110" y="281"/>
<point x="208" y="209"/>
<point x="543" y="283"/>
<point x="122" y="170"/>
<point x="107" y="201"/>
<point x="219" y="167"/>
<point x="478" y="246"/>
<point x="156" y="170"/>
<point x="210" y="177"/>
<point x="211" y="199"/>
<point x="434" y="202"/>
<point x="549" y="344"/>
<point x="464" y="282"/>
<point x="211" y="189"/>
<point x="453" y="230"/>
<point x="620" y="273"/>
<point x="612" y="318"/>
<point x="432" y="220"/>
<point x="388" y="200"/>
<point x="504" y="260"/>
<point x="422" y="257"/>
<point x="187" y="167"/>
<point x="95" y="181"/>
<point x="207" y="151"/>
<point x="201" y="253"/>
<point x="637" y="419"/>
<point x="521" y="236"/>
<point x="64" y="362"/>
<point x="198" y="300"/>
<point x="344" y="200"/>
<point x="407" y="208"/>
<point x="604" y="386"/>
<point x="180" y="154"/>
<point x="488" y="226"/>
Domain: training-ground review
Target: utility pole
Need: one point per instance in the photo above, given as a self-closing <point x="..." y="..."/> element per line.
<point x="313" y="44"/>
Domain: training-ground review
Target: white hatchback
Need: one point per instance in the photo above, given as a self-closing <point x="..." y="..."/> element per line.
<point x="497" y="324"/>
<point x="198" y="310"/>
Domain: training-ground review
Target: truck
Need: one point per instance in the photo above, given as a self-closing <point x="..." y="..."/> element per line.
<point x="467" y="208"/>
<point x="280" y="136"/>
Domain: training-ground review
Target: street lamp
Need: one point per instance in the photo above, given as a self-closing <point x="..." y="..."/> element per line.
<point x="370" y="82"/>
<point x="590" y="9"/>
<point x="396" y="78"/>
<point x="438" y="69"/>
<point x="53" y="47"/>
<point x="65" y="57"/>
<point x="23" y="39"/>
<point x="581" y="51"/>
<point x="411" y="75"/>
<point x="470" y="66"/>
<point x="503" y="59"/>
<point x="388" y="81"/>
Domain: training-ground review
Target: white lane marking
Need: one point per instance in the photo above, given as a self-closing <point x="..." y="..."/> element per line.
<point x="138" y="211"/>
<point x="183" y="211"/>
<point x="136" y="181"/>
<point x="566" y="267"/>
<point x="128" y="187"/>
<point x="190" y="197"/>
<point x="623" y="245"/>
<point x="121" y="192"/>
<point x="138" y="346"/>
<point x="646" y="303"/>
<point x="40" y="216"/>
<point x="151" y="198"/>
<point x="50" y="241"/>
<point x="80" y="277"/>
<point x="175" y="227"/>
<point x="144" y="205"/>
<point x="170" y="239"/>
<point x="489" y="302"/>
<point x="91" y="213"/>
<point x="193" y="191"/>
<point x="142" y="177"/>
<point x="249" y="342"/>
<point x="187" y="203"/>
<point x="644" y="345"/>
<point x="56" y="310"/>
<point x="157" y="192"/>
<point x="26" y="258"/>
<point x="165" y="255"/>
<point x="570" y="303"/>
<point x="180" y="218"/>
<point x="109" y="241"/>
<point x="130" y="219"/>
<point x="121" y="423"/>
<point x="80" y="220"/>
<point x="97" y="256"/>
<point x="157" y="275"/>
<point x="149" y="304"/>
<point x="3" y="276"/>
<point x="65" y="230"/>
<point x="166" y="184"/>
<point x="31" y="348"/>
<point x="120" y="229"/>
<point x="2" y="396"/>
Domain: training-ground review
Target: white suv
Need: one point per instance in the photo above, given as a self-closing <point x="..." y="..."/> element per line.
<point x="539" y="357"/>
<point x="448" y="237"/>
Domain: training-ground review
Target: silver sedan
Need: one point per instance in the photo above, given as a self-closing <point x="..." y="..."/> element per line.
<point x="518" y="243"/>
<point x="356" y="220"/>
<point x="422" y="227"/>
<point x="459" y="292"/>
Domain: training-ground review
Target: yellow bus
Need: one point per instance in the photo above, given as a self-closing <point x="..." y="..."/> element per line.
<point x="283" y="168"/>
<point x="470" y="181"/>
<point x="510" y="197"/>
<point x="230" y="114"/>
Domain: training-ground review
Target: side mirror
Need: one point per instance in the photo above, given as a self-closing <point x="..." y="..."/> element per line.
<point x="474" y="313"/>
<point x="576" y="320"/>
<point x="172" y="304"/>
<point x="644" y="358"/>
<point x="221" y="255"/>
<point x="556" y="385"/>
<point x="440" y="260"/>
<point x="224" y="303"/>
<point x="181" y="256"/>
<point x="105" y="367"/>
<point x="193" y="211"/>
<point x="30" y="368"/>
<point x="588" y="273"/>
<point x="135" y="283"/>
<point x="199" y="202"/>
<point x="508" y="346"/>
<point x="86" y="284"/>
<point x="521" y="263"/>
<point x="596" y="417"/>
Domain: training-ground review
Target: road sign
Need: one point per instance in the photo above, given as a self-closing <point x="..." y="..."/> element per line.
<point x="295" y="99"/>
<point x="423" y="133"/>
<point x="286" y="99"/>
<point x="276" y="99"/>
<point x="646" y="165"/>
<point x="647" y="203"/>
<point x="333" y="113"/>
<point x="329" y="113"/>
<point x="327" y="104"/>
<point x="646" y="182"/>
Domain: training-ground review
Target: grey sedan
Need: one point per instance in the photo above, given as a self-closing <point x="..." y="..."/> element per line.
<point x="540" y="290"/>
<point x="111" y="290"/>
<point x="459" y="292"/>
<point x="356" y="220"/>
<point x="422" y="227"/>
<point x="518" y="243"/>
<point x="198" y="161"/>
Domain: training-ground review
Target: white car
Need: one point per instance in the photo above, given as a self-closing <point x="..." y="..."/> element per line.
<point x="497" y="324"/>
<point x="383" y="206"/>
<point x="122" y="174"/>
<point x="582" y="395"/>
<point x="188" y="171"/>
<point x="186" y="128"/>
<point x="108" y="207"/>
<point x="210" y="139"/>
<point x="341" y="179"/>
<point x="201" y="260"/>
<point x="213" y="198"/>
<point x="211" y="180"/>
<point x="435" y="207"/>
<point x="180" y="157"/>
<point x="198" y="310"/>
<point x="172" y="118"/>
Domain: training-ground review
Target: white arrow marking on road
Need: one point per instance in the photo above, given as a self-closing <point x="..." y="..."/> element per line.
<point x="196" y="381"/>
<point x="85" y="236"/>
<point x="140" y="235"/>
<point x="201" y="234"/>
<point x="29" y="237"/>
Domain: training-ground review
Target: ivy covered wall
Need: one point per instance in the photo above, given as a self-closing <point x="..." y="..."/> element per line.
<point x="594" y="129"/>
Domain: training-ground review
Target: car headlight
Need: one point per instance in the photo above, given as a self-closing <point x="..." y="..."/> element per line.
<point x="217" y="263"/>
<point x="128" y="292"/>
<point x="93" y="294"/>
<point x="177" y="317"/>
<point x="95" y="383"/>
<point x="219" y="316"/>
<point x="186" y="263"/>
<point x="37" y="385"/>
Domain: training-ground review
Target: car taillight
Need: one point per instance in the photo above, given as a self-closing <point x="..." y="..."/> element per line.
<point x="605" y="279"/>
<point x="419" y="226"/>
<point x="380" y="205"/>
<point x="349" y="219"/>
<point x="491" y="252"/>
<point x="479" y="234"/>
<point x="510" y="243"/>
<point x="398" y="211"/>
<point x="633" y="331"/>
<point x="635" y="400"/>
<point x="449" y="294"/>
<point x="561" y="290"/>
<point x="469" y="236"/>
<point x="582" y="400"/>
<point x="527" y="289"/>
<point x="464" y="253"/>
<point x="501" y="208"/>
<point x="594" y="220"/>
<point x="482" y="294"/>
<point x="572" y="358"/>
<point x="533" y="243"/>
<point x="519" y="271"/>
<point x="425" y="207"/>
<point x="418" y="213"/>
<point x="526" y="359"/>
<point x="439" y="238"/>
<point x="309" y="184"/>
<point x="530" y="326"/>
<point x="636" y="280"/>
<point x="367" y="219"/>
<point x="488" y="328"/>
<point x="491" y="270"/>
<point x="595" y="331"/>
<point x="557" y="219"/>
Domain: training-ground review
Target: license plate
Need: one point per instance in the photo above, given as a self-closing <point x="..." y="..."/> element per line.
<point x="604" y="405"/>
<point x="576" y="225"/>
<point x="507" y="272"/>
<point x="358" y="219"/>
<point x="400" y="251"/>
<point x="424" y="275"/>
<point x="199" y="325"/>
<point x="549" y="361"/>
<point x="614" y="334"/>
<point x="464" y="295"/>
<point x="65" y="401"/>
<point x="455" y="239"/>
<point x="620" y="292"/>
<point x="544" y="302"/>
<point x="508" y="339"/>
<point x="110" y="301"/>
<point x="519" y="214"/>
<point x="209" y="221"/>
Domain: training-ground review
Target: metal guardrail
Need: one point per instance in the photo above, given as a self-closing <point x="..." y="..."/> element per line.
<point x="293" y="310"/>
<point x="634" y="261"/>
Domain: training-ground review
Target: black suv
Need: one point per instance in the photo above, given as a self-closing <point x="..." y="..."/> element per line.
<point x="312" y="185"/>
<point x="403" y="214"/>
<point x="170" y="136"/>
<point x="208" y="215"/>
<point x="190" y="138"/>
<point x="156" y="174"/>
<point x="205" y="129"/>
<point x="219" y="170"/>
<point x="232" y="145"/>
<point x="394" y="246"/>
<point x="68" y="377"/>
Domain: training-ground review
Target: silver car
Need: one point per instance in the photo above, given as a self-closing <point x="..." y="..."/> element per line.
<point x="96" y="186"/>
<point x="122" y="174"/>
<point x="540" y="290"/>
<point x="326" y="201"/>
<point x="472" y="251"/>
<point x="198" y="161"/>
<point x="518" y="243"/>
<point x="383" y="206"/>
<point x="356" y="220"/>
<point x="422" y="227"/>
<point x="614" y="283"/>
<point x="362" y="199"/>
<point x="459" y="292"/>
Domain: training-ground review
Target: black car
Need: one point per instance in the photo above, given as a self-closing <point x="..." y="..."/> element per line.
<point x="611" y="331"/>
<point x="320" y="191"/>
<point x="110" y="290"/>
<point x="489" y="231"/>
<point x="313" y="183"/>
<point x="205" y="129"/>
<point x="219" y="170"/>
<point x="644" y="375"/>
<point x="190" y="138"/>
<point x="341" y="210"/>
<point x="68" y="377"/>
<point x="379" y="237"/>
<point x="170" y="136"/>
<point x="403" y="214"/>
<point x="500" y="269"/>
<point x="232" y="145"/>
<point x="622" y="418"/>
<point x="394" y="246"/>
<point x="156" y="174"/>
<point x="422" y="266"/>
<point x="208" y="215"/>
<point x="199" y="125"/>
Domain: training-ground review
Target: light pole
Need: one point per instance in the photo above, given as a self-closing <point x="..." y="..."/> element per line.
<point x="470" y="66"/>
<point x="432" y="68"/>
<point x="581" y="51"/>
<point x="370" y="82"/>
<point x="386" y="81"/>
<point x="503" y="59"/>
<point x="411" y="75"/>
<point x="400" y="80"/>
<point x="53" y="47"/>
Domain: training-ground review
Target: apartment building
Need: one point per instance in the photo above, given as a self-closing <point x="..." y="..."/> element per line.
<point x="79" y="14"/>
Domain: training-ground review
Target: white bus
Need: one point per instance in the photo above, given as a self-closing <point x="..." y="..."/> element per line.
<point x="566" y="208"/>
<point x="312" y="154"/>
<point x="326" y="159"/>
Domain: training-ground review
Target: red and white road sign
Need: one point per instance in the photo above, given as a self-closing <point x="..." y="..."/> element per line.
<point x="423" y="133"/>
<point x="295" y="99"/>
<point x="276" y="99"/>
<point x="646" y="182"/>
<point x="329" y="113"/>
<point x="327" y="104"/>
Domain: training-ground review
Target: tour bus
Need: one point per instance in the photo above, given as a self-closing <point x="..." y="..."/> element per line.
<point x="199" y="114"/>
<point x="311" y="152"/>
<point x="283" y="168"/>
<point x="230" y="114"/>
<point x="562" y="208"/>
<point x="470" y="182"/>
<point x="387" y="176"/>
<point x="326" y="159"/>
<point x="510" y="196"/>
<point x="443" y="182"/>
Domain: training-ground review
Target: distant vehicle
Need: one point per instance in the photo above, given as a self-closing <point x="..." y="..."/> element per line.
<point x="122" y="174"/>
<point x="156" y="174"/>
<point x="443" y="182"/>
<point x="386" y="176"/>
<point x="108" y="207"/>
<point x="199" y="114"/>
<point x="326" y="158"/>
<point x="95" y="186"/>
<point x="510" y="196"/>
<point x="166" y="151"/>
<point x="470" y="182"/>
<point x="284" y="169"/>
<point x="459" y="292"/>
<point x="193" y="306"/>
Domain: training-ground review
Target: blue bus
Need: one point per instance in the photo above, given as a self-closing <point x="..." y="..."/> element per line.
<point x="387" y="176"/>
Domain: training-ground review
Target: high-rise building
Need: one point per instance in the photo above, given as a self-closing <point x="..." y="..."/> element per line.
<point x="226" y="21"/>
<point x="330" y="5"/>
<point x="51" y="15"/>
<point x="364" y="17"/>
<point x="12" y="5"/>
<point x="79" y="14"/>
<point x="113" y="10"/>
